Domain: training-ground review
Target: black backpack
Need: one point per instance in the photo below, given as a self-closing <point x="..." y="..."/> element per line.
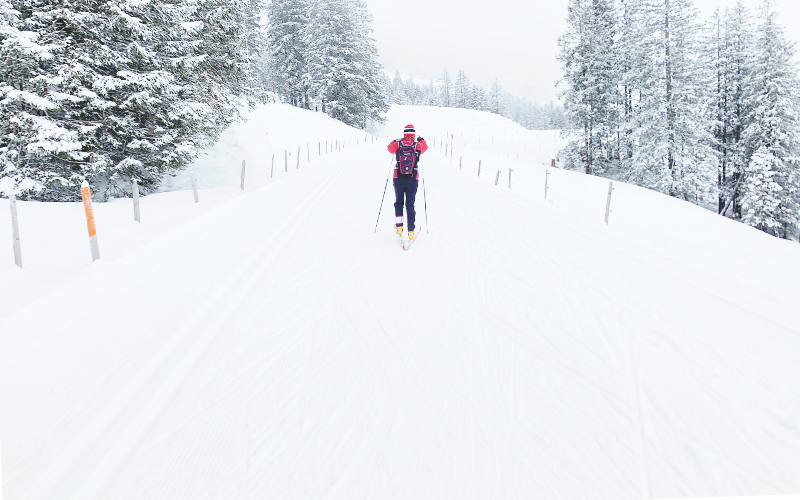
<point x="407" y="158"/>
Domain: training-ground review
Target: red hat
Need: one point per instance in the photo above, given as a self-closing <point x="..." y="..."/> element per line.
<point x="409" y="130"/>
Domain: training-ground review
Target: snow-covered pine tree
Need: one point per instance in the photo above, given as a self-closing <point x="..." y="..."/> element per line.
<point x="345" y="74"/>
<point x="773" y="132"/>
<point x="412" y="90"/>
<point x="399" y="90"/>
<point x="461" y="91"/>
<point x="445" y="90"/>
<point x="495" y="98"/>
<point x="762" y="193"/>
<point x="431" y="95"/>
<point x="254" y="45"/>
<point x="126" y="89"/>
<point x="478" y="99"/>
<point x="288" y="22"/>
<point x="672" y="152"/>
<point x="728" y="51"/>
<point x="630" y="62"/>
<point x="24" y="112"/>
<point x="591" y="78"/>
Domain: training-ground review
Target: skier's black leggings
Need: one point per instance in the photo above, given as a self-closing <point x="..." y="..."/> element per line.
<point x="407" y="186"/>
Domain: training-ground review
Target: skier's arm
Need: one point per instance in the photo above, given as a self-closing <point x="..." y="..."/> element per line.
<point x="422" y="146"/>
<point x="393" y="147"/>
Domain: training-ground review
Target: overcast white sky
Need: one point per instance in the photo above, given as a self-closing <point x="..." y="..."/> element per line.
<point x="513" y="40"/>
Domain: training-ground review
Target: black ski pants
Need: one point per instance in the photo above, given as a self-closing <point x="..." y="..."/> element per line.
<point x="405" y="186"/>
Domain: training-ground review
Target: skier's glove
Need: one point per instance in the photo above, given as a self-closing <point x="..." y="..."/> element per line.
<point x="420" y="139"/>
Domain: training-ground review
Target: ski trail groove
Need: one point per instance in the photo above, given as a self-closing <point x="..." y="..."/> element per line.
<point x="123" y="444"/>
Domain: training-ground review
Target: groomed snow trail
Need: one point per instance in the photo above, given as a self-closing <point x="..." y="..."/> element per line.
<point x="276" y="348"/>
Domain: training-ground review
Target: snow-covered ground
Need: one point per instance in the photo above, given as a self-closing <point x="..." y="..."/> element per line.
<point x="266" y="344"/>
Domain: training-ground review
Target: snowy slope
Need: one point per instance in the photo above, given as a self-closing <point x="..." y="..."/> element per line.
<point x="267" y="344"/>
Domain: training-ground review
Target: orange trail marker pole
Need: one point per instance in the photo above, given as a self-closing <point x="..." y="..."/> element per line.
<point x="86" y="194"/>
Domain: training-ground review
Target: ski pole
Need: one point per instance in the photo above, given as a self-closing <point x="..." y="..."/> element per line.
<point x="425" y="199"/>
<point x="382" y="198"/>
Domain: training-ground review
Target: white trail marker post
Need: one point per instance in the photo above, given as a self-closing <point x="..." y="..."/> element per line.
<point x="285" y="160"/>
<point x="509" y="178"/>
<point x="497" y="178"/>
<point x="608" y="201"/>
<point x="298" y="158"/>
<point x="479" y="167"/>
<point x="17" y="249"/>
<point x="272" y="168"/>
<point x="242" y="185"/>
<point x="546" y="178"/>
<point x="86" y="195"/>
<point x="194" y="189"/>
<point x="135" y="194"/>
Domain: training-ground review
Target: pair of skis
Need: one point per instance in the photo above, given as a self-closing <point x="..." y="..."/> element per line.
<point x="407" y="244"/>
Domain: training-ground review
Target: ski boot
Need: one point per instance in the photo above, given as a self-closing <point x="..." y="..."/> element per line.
<point x="399" y="230"/>
<point x="411" y="235"/>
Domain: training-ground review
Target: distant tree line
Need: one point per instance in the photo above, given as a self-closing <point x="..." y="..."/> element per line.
<point x="461" y="93"/>
<point x="111" y="90"/>
<point x="703" y="111"/>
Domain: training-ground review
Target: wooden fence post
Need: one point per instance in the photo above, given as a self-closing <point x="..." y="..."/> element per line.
<point x="497" y="178"/>
<point x="546" y="178"/>
<point x="17" y="249"/>
<point x="194" y="189"/>
<point x="86" y="194"/>
<point x="553" y="163"/>
<point x="242" y="186"/>
<point x="135" y="193"/>
<point x="608" y="201"/>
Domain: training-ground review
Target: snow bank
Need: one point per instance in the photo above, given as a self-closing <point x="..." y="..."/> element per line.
<point x="267" y="131"/>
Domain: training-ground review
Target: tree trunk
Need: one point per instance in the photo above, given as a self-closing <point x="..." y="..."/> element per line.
<point x="670" y="101"/>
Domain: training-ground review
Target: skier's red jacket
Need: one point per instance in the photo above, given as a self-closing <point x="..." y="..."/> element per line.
<point x="422" y="146"/>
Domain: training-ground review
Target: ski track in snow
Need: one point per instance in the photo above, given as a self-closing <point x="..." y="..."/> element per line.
<point x="284" y="351"/>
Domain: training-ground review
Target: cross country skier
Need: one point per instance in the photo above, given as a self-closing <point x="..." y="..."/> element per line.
<point x="406" y="176"/>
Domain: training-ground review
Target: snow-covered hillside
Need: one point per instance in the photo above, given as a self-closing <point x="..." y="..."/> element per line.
<point x="266" y="344"/>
